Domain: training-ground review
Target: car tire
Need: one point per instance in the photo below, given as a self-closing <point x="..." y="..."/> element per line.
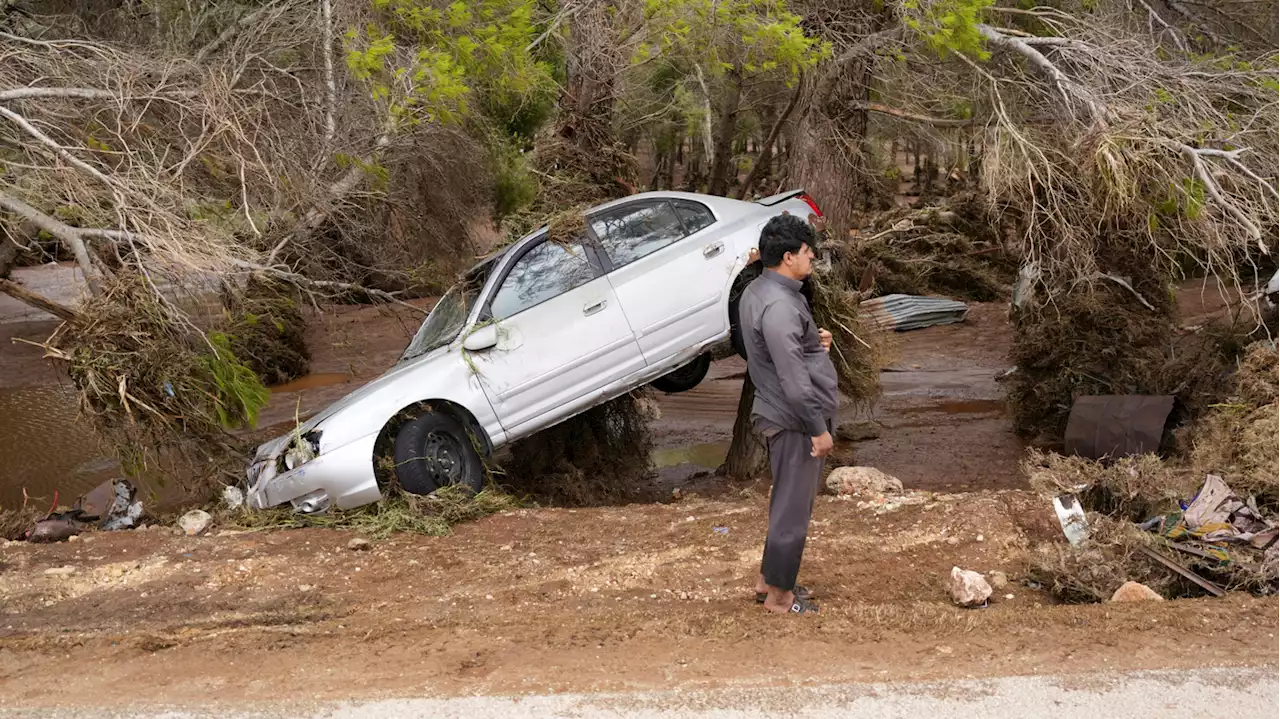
<point x="686" y="377"/>
<point x="433" y="450"/>
<point x="744" y="278"/>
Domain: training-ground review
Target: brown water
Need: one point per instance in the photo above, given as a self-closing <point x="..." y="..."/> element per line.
<point x="311" y="381"/>
<point x="964" y="406"/>
<point x="43" y="448"/>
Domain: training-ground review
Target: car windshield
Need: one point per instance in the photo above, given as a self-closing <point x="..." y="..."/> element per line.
<point x="448" y="316"/>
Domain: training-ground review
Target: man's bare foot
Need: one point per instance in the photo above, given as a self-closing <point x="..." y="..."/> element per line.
<point x="779" y="601"/>
<point x="761" y="586"/>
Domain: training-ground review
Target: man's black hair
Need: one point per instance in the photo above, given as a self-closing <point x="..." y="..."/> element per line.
<point x="783" y="234"/>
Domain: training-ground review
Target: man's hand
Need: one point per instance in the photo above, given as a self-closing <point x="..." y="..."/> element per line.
<point x="822" y="445"/>
<point x="825" y="338"/>
<point x="753" y="255"/>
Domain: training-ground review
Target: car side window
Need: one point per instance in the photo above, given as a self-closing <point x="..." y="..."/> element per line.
<point x="694" y="215"/>
<point x="546" y="271"/>
<point x="637" y="230"/>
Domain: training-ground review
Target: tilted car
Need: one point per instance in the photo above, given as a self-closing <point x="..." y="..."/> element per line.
<point x="533" y="335"/>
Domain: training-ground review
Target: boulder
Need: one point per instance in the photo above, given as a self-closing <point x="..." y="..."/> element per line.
<point x="1135" y="592"/>
<point x="968" y="589"/>
<point x="195" y="522"/>
<point x="858" y="430"/>
<point x="863" y="481"/>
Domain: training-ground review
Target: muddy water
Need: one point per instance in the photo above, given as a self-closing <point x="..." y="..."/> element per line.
<point x="311" y="381"/>
<point x="43" y="448"/>
<point x="709" y="455"/>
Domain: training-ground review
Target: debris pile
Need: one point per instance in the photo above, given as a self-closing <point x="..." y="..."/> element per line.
<point x="1145" y="525"/>
<point x="952" y="250"/>
<point x="264" y="329"/>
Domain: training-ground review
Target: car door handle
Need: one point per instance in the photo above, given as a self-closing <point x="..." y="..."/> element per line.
<point x="592" y="309"/>
<point x="712" y="250"/>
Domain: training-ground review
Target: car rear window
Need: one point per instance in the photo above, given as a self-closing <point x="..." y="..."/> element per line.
<point x="693" y="215"/>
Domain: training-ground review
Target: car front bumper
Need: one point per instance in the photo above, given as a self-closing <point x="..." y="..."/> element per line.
<point x="342" y="477"/>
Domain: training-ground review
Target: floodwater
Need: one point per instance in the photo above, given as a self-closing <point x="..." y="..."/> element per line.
<point x="44" y="448"/>
<point x="311" y="381"/>
<point x="709" y="454"/>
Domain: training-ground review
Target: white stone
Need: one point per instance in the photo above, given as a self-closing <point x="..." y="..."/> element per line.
<point x="862" y="480"/>
<point x="195" y="522"/>
<point x="968" y="589"/>
<point x="60" y="571"/>
<point x="358" y="544"/>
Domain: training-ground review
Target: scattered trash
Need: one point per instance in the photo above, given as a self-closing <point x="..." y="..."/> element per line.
<point x="1071" y="517"/>
<point x="910" y="312"/>
<point x="1136" y="592"/>
<point x="1109" y="427"/>
<point x="968" y="589"/>
<point x="359" y="544"/>
<point x="233" y="497"/>
<point x="720" y="530"/>
<point x="862" y="481"/>
<point x="195" y="522"/>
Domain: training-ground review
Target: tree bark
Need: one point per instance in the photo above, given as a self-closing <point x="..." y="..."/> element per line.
<point x="748" y="458"/>
<point x="727" y="123"/>
<point x="766" y="150"/>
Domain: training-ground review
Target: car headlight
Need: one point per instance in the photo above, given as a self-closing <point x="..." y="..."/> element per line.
<point x="302" y="448"/>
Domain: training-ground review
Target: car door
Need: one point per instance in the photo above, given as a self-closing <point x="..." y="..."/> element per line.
<point x="669" y="271"/>
<point x="562" y="336"/>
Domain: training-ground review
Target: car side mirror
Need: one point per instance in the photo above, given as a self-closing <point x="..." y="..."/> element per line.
<point x="481" y="338"/>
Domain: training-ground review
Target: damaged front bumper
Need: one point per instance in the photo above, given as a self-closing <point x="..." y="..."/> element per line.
<point x="340" y="476"/>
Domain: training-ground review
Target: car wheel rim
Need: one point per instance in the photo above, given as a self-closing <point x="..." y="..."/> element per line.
<point x="442" y="458"/>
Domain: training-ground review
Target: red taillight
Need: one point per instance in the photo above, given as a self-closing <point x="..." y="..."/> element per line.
<point x="812" y="205"/>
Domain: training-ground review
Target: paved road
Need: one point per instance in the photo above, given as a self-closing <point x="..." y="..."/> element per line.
<point x="1236" y="693"/>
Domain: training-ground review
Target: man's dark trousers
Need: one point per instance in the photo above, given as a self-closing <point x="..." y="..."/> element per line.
<point x="796" y="474"/>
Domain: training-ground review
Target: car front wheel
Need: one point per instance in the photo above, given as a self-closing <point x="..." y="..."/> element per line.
<point x="433" y="450"/>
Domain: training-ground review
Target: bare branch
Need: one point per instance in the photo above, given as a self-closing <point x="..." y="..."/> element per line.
<point x="331" y="88"/>
<point x="1068" y="89"/>
<point x="903" y="114"/>
<point x="79" y="93"/>
<point x="325" y="284"/>
<point x="1215" y="191"/>
<point x="38" y="301"/>
<point x="766" y="150"/>
<point x="70" y="236"/>
<point x="57" y="149"/>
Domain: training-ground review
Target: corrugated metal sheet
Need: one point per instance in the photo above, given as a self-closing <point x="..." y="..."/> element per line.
<point x="909" y="312"/>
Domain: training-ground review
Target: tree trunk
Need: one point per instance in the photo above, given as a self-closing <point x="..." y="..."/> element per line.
<point x="722" y="164"/>
<point x="747" y="458"/>
<point x="40" y="302"/>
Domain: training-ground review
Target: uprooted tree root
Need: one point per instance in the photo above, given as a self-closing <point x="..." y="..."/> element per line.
<point x="157" y="390"/>
<point x="951" y="250"/>
<point x="859" y="349"/>
<point x="1097" y="338"/>
<point x="432" y="515"/>
<point x="265" y="329"/>
<point x="1237" y="438"/>
<point x="596" y="458"/>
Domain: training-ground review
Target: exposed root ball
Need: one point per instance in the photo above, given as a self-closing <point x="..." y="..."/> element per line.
<point x="1238" y="438"/>
<point x="265" y="331"/>
<point x="595" y="458"/>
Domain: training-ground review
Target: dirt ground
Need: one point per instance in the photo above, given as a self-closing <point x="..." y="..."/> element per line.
<point x="641" y="596"/>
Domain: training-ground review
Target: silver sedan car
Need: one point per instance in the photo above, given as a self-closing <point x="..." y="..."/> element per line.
<point x="534" y="335"/>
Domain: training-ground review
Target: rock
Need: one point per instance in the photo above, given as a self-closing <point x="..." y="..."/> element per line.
<point x="998" y="580"/>
<point x="195" y="522"/>
<point x="233" y="497"/>
<point x="858" y="430"/>
<point x="74" y="538"/>
<point x="53" y="530"/>
<point x="862" y="480"/>
<point x="60" y="571"/>
<point x="1135" y="592"/>
<point x="968" y="589"/>
<point x="359" y="544"/>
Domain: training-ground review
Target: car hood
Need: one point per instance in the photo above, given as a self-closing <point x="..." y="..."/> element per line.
<point x="417" y="366"/>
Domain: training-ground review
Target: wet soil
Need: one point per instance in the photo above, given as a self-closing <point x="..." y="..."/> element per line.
<point x="616" y="598"/>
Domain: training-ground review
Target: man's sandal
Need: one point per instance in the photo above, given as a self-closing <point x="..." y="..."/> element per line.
<point x="800" y="591"/>
<point x="803" y="606"/>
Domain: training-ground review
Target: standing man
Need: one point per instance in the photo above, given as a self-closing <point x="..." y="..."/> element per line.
<point x="796" y="401"/>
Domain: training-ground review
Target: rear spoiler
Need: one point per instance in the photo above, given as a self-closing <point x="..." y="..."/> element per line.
<point x="780" y="197"/>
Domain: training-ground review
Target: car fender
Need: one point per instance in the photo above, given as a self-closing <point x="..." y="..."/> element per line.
<point x="439" y="376"/>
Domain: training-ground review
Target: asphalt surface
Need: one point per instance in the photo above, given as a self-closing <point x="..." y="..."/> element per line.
<point x="1239" y="693"/>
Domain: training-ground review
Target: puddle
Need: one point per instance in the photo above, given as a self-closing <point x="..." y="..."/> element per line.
<point x="965" y="406"/>
<point x="43" y="449"/>
<point x="710" y="455"/>
<point x="311" y="381"/>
